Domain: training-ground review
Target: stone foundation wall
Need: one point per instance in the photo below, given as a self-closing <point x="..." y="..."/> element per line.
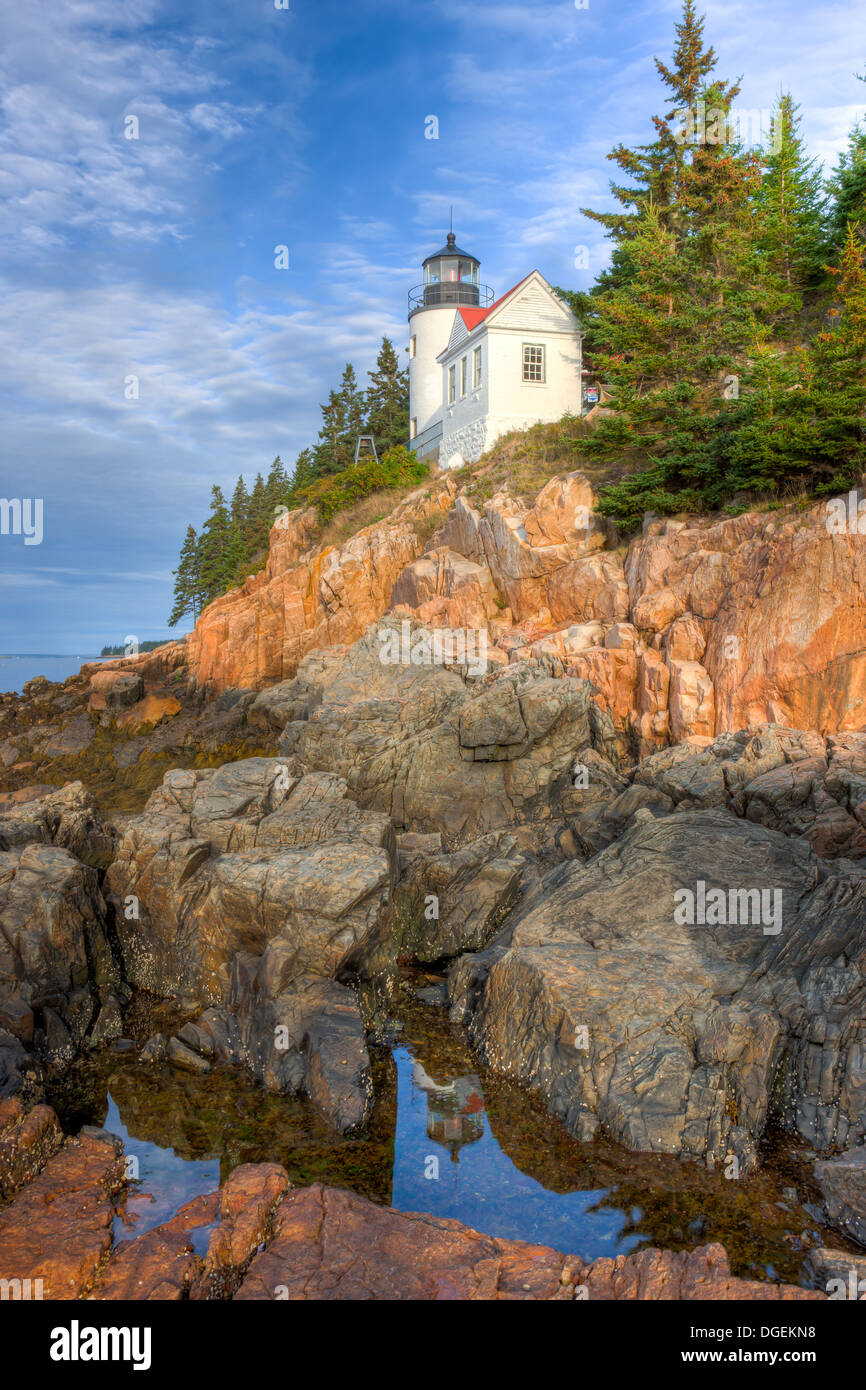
<point x="469" y="441"/>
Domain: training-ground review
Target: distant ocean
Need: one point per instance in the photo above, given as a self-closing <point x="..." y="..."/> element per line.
<point x="17" y="668"/>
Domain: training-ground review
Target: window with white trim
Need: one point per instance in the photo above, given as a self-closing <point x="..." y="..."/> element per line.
<point x="464" y="375"/>
<point x="533" y="362"/>
<point x="412" y="346"/>
<point x="476" y="368"/>
<point x="452" y="384"/>
<point x="413" y="427"/>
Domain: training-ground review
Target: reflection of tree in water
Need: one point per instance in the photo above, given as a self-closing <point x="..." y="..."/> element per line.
<point x="455" y="1111"/>
<point x="225" y="1115"/>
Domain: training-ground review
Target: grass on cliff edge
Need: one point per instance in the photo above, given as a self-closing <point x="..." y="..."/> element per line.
<point x="369" y="510"/>
<point x="522" y="461"/>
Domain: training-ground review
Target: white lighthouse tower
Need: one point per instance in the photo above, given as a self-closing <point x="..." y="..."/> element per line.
<point x="450" y="281"/>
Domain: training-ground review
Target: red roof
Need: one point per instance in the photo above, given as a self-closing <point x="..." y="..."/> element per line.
<point x="472" y="317"/>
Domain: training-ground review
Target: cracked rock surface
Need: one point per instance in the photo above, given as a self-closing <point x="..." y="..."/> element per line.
<point x="671" y="1034"/>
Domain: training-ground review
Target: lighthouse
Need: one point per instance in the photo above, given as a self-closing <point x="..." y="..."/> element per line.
<point x="450" y="282"/>
<point x="479" y="369"/>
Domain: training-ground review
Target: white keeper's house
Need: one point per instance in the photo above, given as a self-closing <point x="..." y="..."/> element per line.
<point x="478" y="367"/>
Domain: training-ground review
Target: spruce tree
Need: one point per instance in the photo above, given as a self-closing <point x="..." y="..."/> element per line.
<point x="353" y="404"/>
<point x="187" y="586"/>
<point x="648" y="328"/>
<point x="215" y="558"/>
<point x="656" y="169"/>
<point x="839" y="390"/>
<point x="343" y="419"/>
<point x="800" y="420"/>
<point x="277" y="487"/>
<point x="240" y="512"/>
<point x="674" y="335"/>
<point x="790" y="206"/>
<point x="713" y="253"/>
<point x="303" y="474"/>
<point x="260" y="518"/>
<point x="387" y="405"/>
<point x="765" y="449"/>
<point x="847" y="192"/>
<point x="329" y="449"/>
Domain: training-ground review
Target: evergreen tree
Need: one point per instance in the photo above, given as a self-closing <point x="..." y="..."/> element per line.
<point x="216" y="561"/>
<point x="277" y="487"/>
<point x="839" y="390"/>
<point x="714" y="248"/>
<point x="805" y="416"/>
<point x="187" y="588"/>
<point x="656" y="169"/>
<point x="328" y="449"/>
<point x="798" y="419"/>
<point x="342" y="422"/>
<point x="387" y="403"/>
<point x="648" y="328"/>
<point x="353" y="403"/>
<point x="303" y="475"/>
<point x="240" y="512"/>
<point x="847" y="191"/>
<point x="260" y="520"/>
<point x="762" y="450"/>
<point x="660" y="171"/>
<point x="674" y="335"/>
<point x="790" y="204"/>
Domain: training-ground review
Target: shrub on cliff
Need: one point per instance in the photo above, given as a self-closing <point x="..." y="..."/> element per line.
<point x="398" y="468"/>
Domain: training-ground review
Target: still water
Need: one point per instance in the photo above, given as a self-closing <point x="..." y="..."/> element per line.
<point x="445" y="1137"/>
<point x="464" y="1172"/>
<point x="165" y="1180"/>
<point x="16" y="670"/>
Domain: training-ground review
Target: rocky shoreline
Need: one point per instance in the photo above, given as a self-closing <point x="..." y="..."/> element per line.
<point x="260" y="1238"/>
<point x="633" y="839"/>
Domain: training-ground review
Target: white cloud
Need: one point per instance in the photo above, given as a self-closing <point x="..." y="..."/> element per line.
<point x="224" y="120"/>
<point x="70" y="76"/>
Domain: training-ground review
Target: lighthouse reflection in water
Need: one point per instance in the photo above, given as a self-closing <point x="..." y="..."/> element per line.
<point x="448" y="1162"/>
<point x="455" y="1111"/>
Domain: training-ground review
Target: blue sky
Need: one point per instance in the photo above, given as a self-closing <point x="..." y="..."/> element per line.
<point x="259" y="127"/>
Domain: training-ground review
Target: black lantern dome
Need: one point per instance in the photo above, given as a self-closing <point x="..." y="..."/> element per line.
<point x="452" y="249"/>
<point x="450" y="277"/>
